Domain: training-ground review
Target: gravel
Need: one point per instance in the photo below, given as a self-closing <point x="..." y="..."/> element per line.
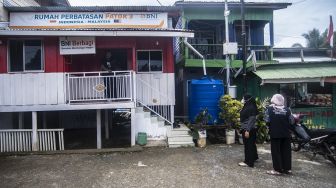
<point x="213" y="166"/>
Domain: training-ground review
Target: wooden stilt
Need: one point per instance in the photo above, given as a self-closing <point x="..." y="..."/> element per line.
<point x="99" y="144"/>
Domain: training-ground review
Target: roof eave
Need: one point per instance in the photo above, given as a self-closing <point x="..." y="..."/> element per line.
<point x="93" y="9"/>
<point x="274" y="6"/>
<point x="114" y="33"/>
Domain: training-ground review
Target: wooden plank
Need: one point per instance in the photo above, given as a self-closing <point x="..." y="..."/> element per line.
<point x="7" y="89"/>
<point x="1" y="142"/>
<point x="62" y="141"/>
<point x="54" y="141"/>
<point x="35" y="88"/>
<point x="51" y="88"/>
<point x="41" y="89"/>
<point x="12" y="87"/>
<point x="18" y="92"/>
<point x="60" y="88"/>
<point x="3" y="89"/>
<point x="28" y="88"/>
<point x="171" y="84"/>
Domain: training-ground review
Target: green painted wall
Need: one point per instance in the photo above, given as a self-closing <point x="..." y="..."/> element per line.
<point x="319" y="117"/>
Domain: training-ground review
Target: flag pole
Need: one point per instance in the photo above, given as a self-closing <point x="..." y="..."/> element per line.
<point x="330" y="37"/>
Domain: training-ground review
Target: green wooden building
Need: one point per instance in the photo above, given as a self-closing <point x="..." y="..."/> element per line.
<point x="206" y="20"/>
<point x="308" y="87"/>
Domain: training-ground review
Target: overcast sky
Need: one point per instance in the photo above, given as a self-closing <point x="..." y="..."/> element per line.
<point x="289" y="23"/>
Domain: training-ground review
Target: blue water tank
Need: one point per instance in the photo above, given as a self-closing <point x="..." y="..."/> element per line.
<point x="204" y="93"/>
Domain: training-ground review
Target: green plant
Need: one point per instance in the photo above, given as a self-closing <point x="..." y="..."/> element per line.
<point x="202" y="118"/>
<point x="262" y="134"/>
<point x="230" y="111"/>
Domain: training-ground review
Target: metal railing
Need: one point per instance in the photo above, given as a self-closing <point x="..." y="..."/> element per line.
<point x="215" y="51"/>
<point x="20" y="140"/>
<point x="99" y="86"/>
<point x="165" y="112"/>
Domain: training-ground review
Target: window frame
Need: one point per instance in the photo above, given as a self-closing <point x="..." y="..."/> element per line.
<point x="24" y="56"/>
<point x="152" y="72"/>
<point x="295" y="97"/>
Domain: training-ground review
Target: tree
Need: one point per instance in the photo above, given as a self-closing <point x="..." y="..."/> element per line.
<point x="314" y="38"/>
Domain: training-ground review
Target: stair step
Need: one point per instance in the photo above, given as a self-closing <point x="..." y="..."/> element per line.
<point x="180" y="139"/>
<point x="154" y="119"/>
<point x="174" y="133"/>
<point x="139" y="109"/>
<point x="180" y="135"/>
<point x="181" y="128"/>
<point x="180" y="144"/>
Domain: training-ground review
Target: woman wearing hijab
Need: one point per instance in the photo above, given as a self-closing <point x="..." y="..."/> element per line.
<point x="248" y="119"/>
<point x="279" y="119"/>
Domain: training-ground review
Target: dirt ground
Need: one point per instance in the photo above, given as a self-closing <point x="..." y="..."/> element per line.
<point x="213" y="166"/>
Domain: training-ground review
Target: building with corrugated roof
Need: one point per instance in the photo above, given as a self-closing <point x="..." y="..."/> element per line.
<point x="71" y="77"/>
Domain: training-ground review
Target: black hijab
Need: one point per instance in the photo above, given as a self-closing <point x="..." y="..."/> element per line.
<point x="249" y="108"/>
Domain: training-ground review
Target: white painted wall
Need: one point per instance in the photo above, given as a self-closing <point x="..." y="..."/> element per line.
<point x="32" y="89"/>
<point x="162" y="83"/>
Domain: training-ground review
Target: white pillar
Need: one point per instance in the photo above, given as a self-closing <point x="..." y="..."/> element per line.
<point x="21" y="119"/>
<point x="107" y="134"/>
<point x="99" y="144"/>
<point x="44" y="120"/>
<point x="172" y="113"/>
<point x="132" y="126"/>
<point x="35" y="145"/>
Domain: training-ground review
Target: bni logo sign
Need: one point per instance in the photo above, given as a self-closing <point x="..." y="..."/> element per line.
<point x="149" y="16"/>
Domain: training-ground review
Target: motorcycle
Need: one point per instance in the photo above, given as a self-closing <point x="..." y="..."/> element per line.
<point x="317" y="141"/>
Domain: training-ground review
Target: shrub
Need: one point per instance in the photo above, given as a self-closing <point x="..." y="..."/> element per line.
<point x="262" y="134"/>
<point x="230" y="111"/>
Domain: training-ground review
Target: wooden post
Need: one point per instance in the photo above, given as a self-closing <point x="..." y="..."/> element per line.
<point x="132" y="126"/>
<point x="21" y="120"/>
<point x="35" y="143"/>
<point x="99" y="144"/>
<point x="107" y="134"/>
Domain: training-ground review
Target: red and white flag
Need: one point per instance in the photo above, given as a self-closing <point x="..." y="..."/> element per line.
<point x="330" y="36"/>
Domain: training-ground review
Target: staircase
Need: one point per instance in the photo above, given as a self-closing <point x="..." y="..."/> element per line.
<point x="179" y="137"/>
<point x="150" y="124"/>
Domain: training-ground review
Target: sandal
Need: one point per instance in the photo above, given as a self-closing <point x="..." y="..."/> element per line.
<point x="242" y="164"/>
<point x="273" y="172"/>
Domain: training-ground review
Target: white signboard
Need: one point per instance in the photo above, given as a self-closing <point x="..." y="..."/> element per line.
<point x="77" y="45"/>
<point x="61" y="20"/>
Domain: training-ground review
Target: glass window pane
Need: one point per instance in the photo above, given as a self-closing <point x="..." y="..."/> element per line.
<point x="318" y="96"/>
<point x="15" y="56"/>
<point x="155" y="61"/>
<point x="33" y="53"/>
<point x="143" y="61"/>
